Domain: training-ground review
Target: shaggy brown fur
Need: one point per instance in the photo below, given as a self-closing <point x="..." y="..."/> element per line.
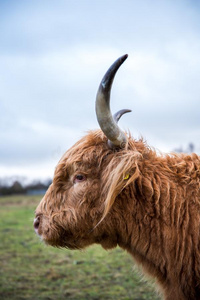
<point x="146" y="203"/>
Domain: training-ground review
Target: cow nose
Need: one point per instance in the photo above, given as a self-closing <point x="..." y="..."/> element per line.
<point x="36" y="223"/>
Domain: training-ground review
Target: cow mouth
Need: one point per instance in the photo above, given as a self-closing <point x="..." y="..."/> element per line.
<point x="54" y="235"/>
<point x="50" y="236"/>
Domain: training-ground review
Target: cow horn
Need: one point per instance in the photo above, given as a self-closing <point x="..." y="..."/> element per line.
<point x="107" y="122"/>
<point x="120" y="113"/>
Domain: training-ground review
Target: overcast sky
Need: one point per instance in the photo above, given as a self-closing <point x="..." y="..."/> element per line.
<point x="53" y="55"/>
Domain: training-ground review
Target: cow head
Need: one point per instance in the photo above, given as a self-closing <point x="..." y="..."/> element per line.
<point x="79" y="207"/>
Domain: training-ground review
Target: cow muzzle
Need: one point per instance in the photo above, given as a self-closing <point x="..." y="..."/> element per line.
<point x="36" y="223"/>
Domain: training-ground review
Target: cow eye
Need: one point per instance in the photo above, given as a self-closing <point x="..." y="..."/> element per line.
<point x="79" y="178"/>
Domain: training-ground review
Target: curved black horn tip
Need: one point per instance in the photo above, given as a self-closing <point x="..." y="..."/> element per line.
<point x="110" y="74"/>
<point x="124" y="57"/>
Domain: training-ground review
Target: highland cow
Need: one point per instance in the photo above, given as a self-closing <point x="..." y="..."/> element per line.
<point x="111" y="189"/>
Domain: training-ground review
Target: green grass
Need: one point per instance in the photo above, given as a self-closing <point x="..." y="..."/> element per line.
<point x="31" y="270"/>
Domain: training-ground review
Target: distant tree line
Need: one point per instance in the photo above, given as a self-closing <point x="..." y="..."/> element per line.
<point x="16" y="188"/>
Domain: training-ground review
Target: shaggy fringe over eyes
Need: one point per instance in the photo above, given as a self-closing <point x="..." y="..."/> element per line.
<point x="121" y="165"/>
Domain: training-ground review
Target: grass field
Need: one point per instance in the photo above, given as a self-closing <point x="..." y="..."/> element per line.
<point x="31" y="270"/>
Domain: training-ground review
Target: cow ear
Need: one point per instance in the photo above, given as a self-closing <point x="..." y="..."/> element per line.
<point x="121" y="171"/>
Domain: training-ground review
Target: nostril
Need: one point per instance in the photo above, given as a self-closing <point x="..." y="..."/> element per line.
<point x="36" y="223"/>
